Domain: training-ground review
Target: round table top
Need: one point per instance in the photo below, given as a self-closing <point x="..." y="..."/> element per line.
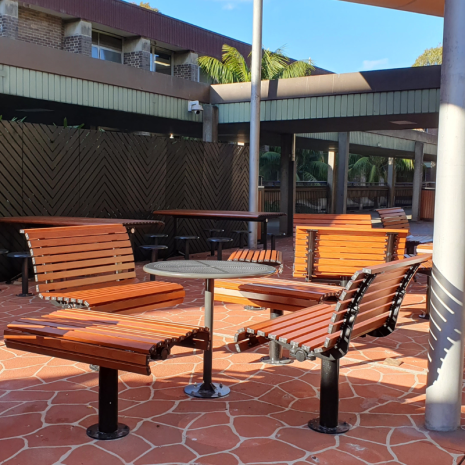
<point x="208" y="269"/>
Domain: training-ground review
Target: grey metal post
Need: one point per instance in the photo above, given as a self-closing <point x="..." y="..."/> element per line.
<point x="210" y="123"/>
<point x="417" y="180"/>
<point x="342" y="172"/>
<point x="391" y="182"/>
<point x="446" y="344"/>
<point x="331" y="181"/>
<point x="287" y="183"/>
<point x="255" y="98"/>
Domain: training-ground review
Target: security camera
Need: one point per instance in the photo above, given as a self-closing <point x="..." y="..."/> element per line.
<point x="195" y="107"/>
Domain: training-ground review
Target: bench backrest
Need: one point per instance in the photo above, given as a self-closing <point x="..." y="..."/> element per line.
<point x="369" y="304"/>
<point x="393" y="218"/>
<point x="338" y="252"/>
<point x="338" y="221"/>
<point x="79" y="257"/>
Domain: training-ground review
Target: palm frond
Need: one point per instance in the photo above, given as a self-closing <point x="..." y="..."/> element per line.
<point x="216" y="70"/>
<point x="273" y="64"/>
<point x="297" y="69"/>
<point x="236" y="63"/>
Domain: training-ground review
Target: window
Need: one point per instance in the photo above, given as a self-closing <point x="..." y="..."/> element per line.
<point x="107" y="47"/>
<point x="160" y="61"/>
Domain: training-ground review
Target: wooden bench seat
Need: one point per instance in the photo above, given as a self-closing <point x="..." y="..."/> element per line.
<point x="93" y="267"/>
<point x="265" y="257"/>
<point x="369" y="305"/>
<point x="112" y="342"/>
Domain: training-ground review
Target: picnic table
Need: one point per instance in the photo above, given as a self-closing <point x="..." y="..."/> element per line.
<point x="229" y="215"/>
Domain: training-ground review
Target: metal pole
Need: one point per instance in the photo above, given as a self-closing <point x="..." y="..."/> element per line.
<point x="445" y="358"/>
<point x="391" y="182"/>
<point x="417" y="180"/>
<point x="331" y="181"/>
<point x="255" y="116"/>
<point x="342" y="172"/>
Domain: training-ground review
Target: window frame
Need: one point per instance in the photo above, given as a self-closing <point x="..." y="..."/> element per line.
<point x="102" y="47"/>
<point x="153" y="68"/>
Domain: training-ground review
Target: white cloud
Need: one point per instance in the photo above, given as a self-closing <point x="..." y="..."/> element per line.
<point x="229" y="6"/>
<point x="369" y="65"/>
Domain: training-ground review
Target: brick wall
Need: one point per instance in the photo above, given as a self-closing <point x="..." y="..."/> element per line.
<point x="140" y="59"/>
<point x="40" y="28"/>
<point x="78" y="44"/>
<point x="8" y="26"/>
<point x="187" y="71"/>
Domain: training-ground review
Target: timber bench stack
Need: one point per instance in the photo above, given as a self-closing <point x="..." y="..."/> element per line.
<point x="265" y="257"/>
<point x="93" y="267"/>
<point x="369" y="305"/>
<point x="112" y="342"/>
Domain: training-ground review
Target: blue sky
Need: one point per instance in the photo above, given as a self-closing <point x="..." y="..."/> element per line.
<point x="339" y="36"/>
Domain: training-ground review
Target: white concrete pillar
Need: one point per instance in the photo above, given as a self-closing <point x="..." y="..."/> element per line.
<point x="77" y="37"/>
<point x="331" y="180"/>
<point x="342" y="172"/>
<point x="255" y="98"/>
<point x="136" y="52"/>
<point x="9" y="19"/>
<point x="391" y="182"/>
<point x="446" y="345"/>
<point x="287" y="183"/>
<point x="210" y="123"/>
<point x="417" y="180"/>
<point x="186" y="66"/>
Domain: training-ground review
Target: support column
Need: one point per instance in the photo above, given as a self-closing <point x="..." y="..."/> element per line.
<point x="342" y="172"/>
<point x="391" y="182"/>
<point x="136" y="52"/>
<point x="186" y="66"/>
<point x="9" y="19"/>
<point x="255" y="98"/>
<point x="446" y="341"/>
<point x="417" y="180"/>
<point x="287" y="184"/>
<point x="331" y="180"/>
<point x="77" y="37"/>
<point x="210" y="123"/>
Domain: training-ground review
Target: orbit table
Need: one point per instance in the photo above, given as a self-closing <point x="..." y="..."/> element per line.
<point x="208" y="270"/>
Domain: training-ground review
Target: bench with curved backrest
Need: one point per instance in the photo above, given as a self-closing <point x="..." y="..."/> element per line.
<point x="369" y="305"/>
<point x="396" y="218"/>
<point x="113" y="342"/>
<point x="321" y="253"/>
<point x="93" y="267"/>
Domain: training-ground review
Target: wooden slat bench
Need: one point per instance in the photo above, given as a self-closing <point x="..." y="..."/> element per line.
<point x="265" y="257"/>
<point x="369" y="305"/>
<point x="113" y="342"/>
<point x="396" y="218"/>
<point x="93" y="267"/>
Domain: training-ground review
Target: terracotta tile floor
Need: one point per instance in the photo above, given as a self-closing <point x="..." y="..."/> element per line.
<point x="46" y="403"/>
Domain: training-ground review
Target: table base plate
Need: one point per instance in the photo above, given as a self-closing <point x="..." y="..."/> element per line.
<point x="281" y="361"/>
<point x="214" y="391"/>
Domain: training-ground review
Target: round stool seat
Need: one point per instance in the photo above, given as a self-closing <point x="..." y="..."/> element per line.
<point x="156" y="236"/>
<point x="153" y="247"/>
<point x="214" y="230"/>
<point x="276" y="234"/>
<point x="3" y="251"/>
<point x="19" y="255"/>
<point x="187" y="238"/>
<point x="244" y="231"/>
<point x="217" y="240"/>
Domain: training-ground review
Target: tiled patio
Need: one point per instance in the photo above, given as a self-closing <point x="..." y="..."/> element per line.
<point x="46" y="404"/>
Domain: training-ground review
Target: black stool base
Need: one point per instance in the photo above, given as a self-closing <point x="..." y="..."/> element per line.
<point x="214" y="391"/>
<point x="341" y="428"/>
<point x="24" y="295"/>
<point x="424" y="316"/>
<point x="281" y="361"/>
<point x="251" y="307"/>
<point x="94" y="433"/>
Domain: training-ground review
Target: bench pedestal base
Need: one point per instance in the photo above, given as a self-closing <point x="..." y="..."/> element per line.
<point x="341" y="428"/>
<point x="94" y="432"/>
<point x="275" y="350"/>
<point x="203" y="391"/>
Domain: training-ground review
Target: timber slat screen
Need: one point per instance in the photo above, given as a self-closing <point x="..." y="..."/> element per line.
<point x="53" y="171"/>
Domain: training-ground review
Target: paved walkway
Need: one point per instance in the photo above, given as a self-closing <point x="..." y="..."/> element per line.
<point x="46" y="403"/>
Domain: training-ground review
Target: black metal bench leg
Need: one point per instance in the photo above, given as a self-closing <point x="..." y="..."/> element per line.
<point x="275" y="356"/>
<point x="25" y="279"/>
<point x="108" y="426"/>
<point x="328" y="422"/>
<point x="425" y="315"/>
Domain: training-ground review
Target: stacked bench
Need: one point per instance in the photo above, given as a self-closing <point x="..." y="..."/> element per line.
<point x="113" y="342"/>
<point x="368" y="305"/>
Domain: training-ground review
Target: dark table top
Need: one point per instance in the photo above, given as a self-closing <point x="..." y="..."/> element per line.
<point x="74" y="221"/>
<point x="208" y="269"/>
<point x="220" y="214"/>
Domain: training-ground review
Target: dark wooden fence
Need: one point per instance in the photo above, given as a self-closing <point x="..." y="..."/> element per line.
<point x="47" y="170"/>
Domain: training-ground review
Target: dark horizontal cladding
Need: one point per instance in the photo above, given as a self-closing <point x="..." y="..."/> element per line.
<point x="139" y="21"/>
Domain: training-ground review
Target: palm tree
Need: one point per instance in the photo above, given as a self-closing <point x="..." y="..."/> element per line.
<point x="374" y="169"/>
<point x="234" y="68"/>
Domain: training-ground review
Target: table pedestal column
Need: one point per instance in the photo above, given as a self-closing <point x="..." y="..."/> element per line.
<point x="208" y="389"/>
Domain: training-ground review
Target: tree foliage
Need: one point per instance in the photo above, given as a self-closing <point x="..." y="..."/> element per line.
<point x="147" y="6"/>
<point x="233" y="66"/>
<point x="374" y="169"/>
<point x="431" y="56"/>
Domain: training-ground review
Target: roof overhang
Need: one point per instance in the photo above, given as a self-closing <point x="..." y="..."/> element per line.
<point x="426" y="7"/>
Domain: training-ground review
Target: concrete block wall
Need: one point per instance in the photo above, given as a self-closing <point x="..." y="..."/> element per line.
<point x="8" y="19"/>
